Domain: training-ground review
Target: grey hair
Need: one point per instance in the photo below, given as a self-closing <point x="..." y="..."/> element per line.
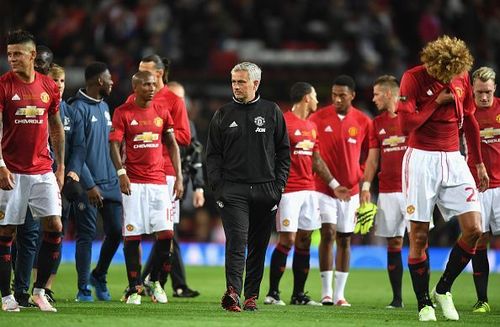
<point x="484" y="74"/>
<point x="254" y="71"/>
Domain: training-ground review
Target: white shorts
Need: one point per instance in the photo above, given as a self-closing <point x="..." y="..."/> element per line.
<point x="437" y="178"/>
<point x="39" y="192"/>
<point x="390" y="219"/>
<point x="298" y="210"/>
<point x="342" y="213"/>
<point x="146" y="210"/>
<point x="490" y="210"/>
<point x="175" y="208"/>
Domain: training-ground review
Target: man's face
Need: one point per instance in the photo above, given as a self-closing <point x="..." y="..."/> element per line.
<point x="381" y="97"/>
<point x="60" y="82"/>
<point x="342" y="98"/>
<point x="42" y="62"/>
<point x="243" y="89"/>
<point x="149" y="66"/>
<point x="146" y="88"/>
<point x="484" y="93"/>
<point x="313" y="103"/>
<point x="106" y="83"/>
<point x="21" y="57"/>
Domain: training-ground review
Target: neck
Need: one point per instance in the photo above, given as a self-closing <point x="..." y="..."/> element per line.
<point x="142" y="102"/>
<point x="93" y="92"/>
<point x="300" y="110"/>
<point x="392" y="111"/>
<point x="27" y="76"/>
<point x="342" y="111"/>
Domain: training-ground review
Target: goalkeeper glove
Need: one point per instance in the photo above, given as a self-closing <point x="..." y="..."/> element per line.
<point x="365" y="215"/>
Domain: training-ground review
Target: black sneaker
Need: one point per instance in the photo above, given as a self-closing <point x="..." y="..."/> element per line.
<point x="395" y="304"/>
<point x="303" y="299"/>
<point x="230" y="300"/>
<point x="23" y="299"/>
<point x="186" y="292"/>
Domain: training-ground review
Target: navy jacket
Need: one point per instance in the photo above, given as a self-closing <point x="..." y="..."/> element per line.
<point x="73" y="137"/>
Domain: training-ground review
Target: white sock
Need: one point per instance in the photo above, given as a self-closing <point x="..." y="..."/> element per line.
<point x="326" y="283"/>
<point x="340" y="281"/>
<point x="38" y="291"/>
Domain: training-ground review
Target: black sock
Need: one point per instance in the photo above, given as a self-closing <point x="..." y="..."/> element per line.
<point x="147" y="266"/>
<point x="300" y="268"/>
<point x="132" y="261"/>
<point x="108" y="249"/>
<point x="459" y="258"/>
<point x="48" y="256"/>
<point x="481" y="269"/>
<point x="161" y="259"/>
<point x="395" y="270"/>
<point x="278" y="266"/>
<point x="419" y="272"/>
<point x="5" y="264"/>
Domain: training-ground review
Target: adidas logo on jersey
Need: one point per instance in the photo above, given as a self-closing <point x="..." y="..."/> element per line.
<point x="16" y="97"/>
<point x="429" y="92"/>
<point x="382" y="131"/>
<point x="93" y="119"/>
<point x="328" y="129"/>
<point x="134" y="123"/>
<point x="297" y="133"/>
<point x="233" y="124"/>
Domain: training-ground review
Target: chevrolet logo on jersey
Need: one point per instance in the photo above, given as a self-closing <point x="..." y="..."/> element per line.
<point x="393" y="140"/>
<point x="146" y="137"/>
<point x="304" y="147"/>
<point x="489" y="132"/>
<point x="30" y="111"/>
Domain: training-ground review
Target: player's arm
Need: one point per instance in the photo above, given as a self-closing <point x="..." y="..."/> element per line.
<point x="282" y="149"/>
<point x="214" y="153"/>
<point x="320" y="168"/>
<point x="115" y="141"/>
<point x="174" y="153"/>
<point x="472" y="136"/>
<point x="181" y="123"/>
<point x="371" y="166"/>
<point x="196" y="174"/>
<point x="56" y="133"/>
<point x="78" y="148"/>
<point x="6" y="178"/>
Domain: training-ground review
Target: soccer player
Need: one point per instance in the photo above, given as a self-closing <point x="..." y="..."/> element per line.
<point x="99" y="180"/>
<point x="343" y="134"/>
<point x="43" y="60"/>
<point x="145" y="126"/>
<point x="435" y="102"/>
<point x="387" y="146"/>
<point x="298" y="211"/>
<point x="248" y="158"/>
<point x="29" y="104"/>
<point x="487" y="113"/>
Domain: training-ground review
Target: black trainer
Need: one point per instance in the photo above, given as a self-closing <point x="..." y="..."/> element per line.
<point x="23" y="299"/>
<point x="186" y="292"/>
<point x="303" y="299"/>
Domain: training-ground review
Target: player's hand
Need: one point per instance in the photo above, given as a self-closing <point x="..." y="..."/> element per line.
<point x="125" y="186"/>
<point x="74" y="176"/>
<point x="178" y="189"/>
<point x="444" y="97"/>
<point x="95" y="197"/>
<point x="6" y="179"/>
<point x="484" y="180"/>
<point x="365" y="216"/>
<point x="198" y="198"/>
<point x="60" y="176"/>
<point x="365" y="197"/>
<point x="342" y="193"/>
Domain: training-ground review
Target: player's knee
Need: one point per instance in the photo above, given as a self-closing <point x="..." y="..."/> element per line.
<point x="395" y="242"/>
<point x="343" y="240"/>
<point x="303" y="240"/>
<point x="473" y="234"/>
<point x="286" y="239"/>
<point x="52" y="224"/>
<point x="327" y="233"/>
<point x="8" y="231"/>
<point x="419" y="239"/>
<point x="165" y="235"/>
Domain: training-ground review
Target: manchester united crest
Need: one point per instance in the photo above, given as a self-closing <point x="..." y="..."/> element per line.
<point x="158" y="122"/>
<point x="352" y="131"/>
<point x="497" y="118"/>
<point x="286" y="222"/>
<point x="45" y="97"/>
<point x="259" y="121"/>
<point x="130" y="227"/>
<point x="410" y="209"/>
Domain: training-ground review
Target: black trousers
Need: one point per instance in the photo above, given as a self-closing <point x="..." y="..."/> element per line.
<point x="248" y="213"/>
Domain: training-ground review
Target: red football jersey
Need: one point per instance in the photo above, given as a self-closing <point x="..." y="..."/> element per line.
<point x="440" y="131"/>
<point x="489" y="124"/>
<point x="177" y="109"/>
<point x="142" y="129"/>
<point x="25" y="109"/>
<point x="341" y="144"/>
<point x="388" y="137"/>
<point x="303" y="137"/>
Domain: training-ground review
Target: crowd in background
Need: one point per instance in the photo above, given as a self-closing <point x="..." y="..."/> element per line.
<point x="205" y="38"/>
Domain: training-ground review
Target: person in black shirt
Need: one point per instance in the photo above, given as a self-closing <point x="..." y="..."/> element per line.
<point x="248" y="159"/>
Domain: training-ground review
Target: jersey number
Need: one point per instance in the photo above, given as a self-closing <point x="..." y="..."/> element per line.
<point x="472" y="196"/>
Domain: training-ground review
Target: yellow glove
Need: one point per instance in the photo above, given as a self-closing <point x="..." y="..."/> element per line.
<point x="365" y="215"/>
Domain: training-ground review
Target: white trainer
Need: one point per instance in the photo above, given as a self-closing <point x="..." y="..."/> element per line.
<point x="134" y="298"/>
<point x="274" y="299"/>
<point x="159" y="295"/>
<point x="445" y="301"/>
<point x="427" y="313"/>
<point x="40" y="300"/>
<point x="10" y="304"/>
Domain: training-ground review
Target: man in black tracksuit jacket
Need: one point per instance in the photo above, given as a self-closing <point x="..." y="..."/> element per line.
<point x="248" y="159"/>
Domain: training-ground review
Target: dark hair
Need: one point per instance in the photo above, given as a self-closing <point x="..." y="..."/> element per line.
<point x="298" y="90"/>
<point x="345" y="80"/>
<point x="94" y="69"/>
<point x="43" y="48"/>
<point x="20" y="36"/>
<point x="160" y="63"/>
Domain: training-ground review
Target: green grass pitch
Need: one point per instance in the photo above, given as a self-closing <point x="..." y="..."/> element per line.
<point x="368" y="291"/>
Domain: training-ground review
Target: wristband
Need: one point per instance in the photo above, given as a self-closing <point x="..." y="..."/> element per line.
<point x="121" y="171"/>
<point x="366" y="186"/>
<point x="2" y="163"/>
<point x="199" y="189"/>
<point x="334" y="184"/>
